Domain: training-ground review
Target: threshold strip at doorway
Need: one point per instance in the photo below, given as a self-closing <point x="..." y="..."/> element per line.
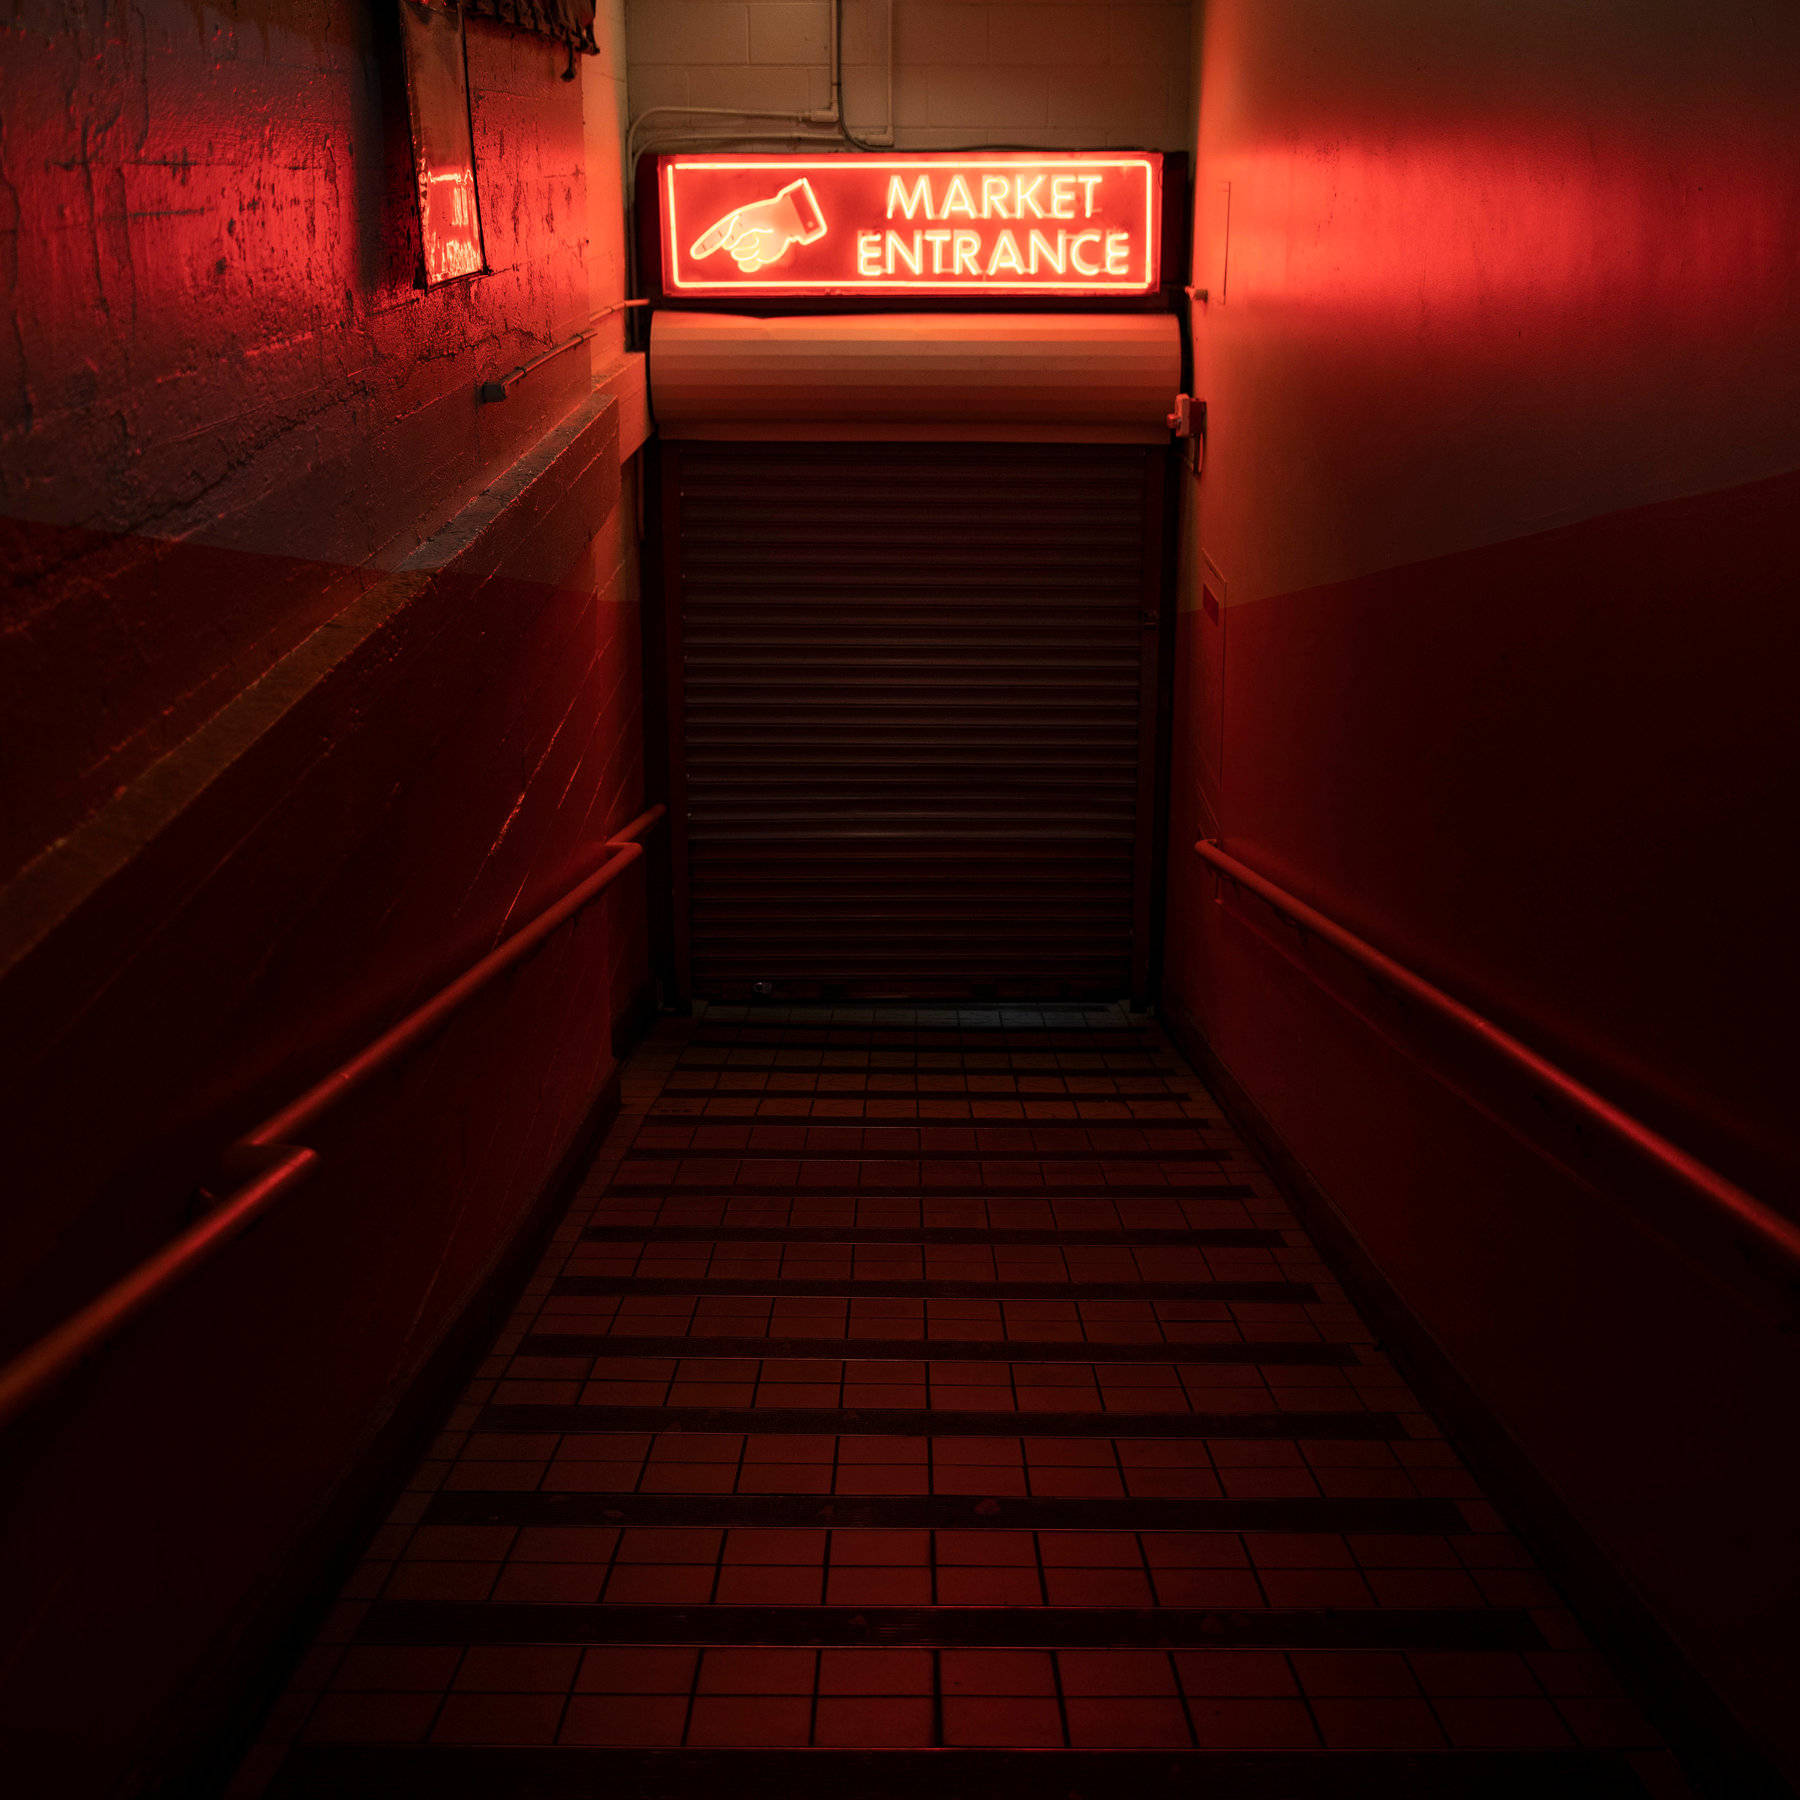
<point x="666" y="1547"/>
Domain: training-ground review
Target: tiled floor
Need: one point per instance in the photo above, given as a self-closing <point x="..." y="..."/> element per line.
<point x="922" y="1393"/>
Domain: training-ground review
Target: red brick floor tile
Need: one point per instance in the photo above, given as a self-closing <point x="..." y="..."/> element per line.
<point x="875" y="1672"/>
<point x="989" y="1587"/>
<point x="1252" y="1724"/>
<point x="1008" y="1672"/>
<point x="1233" y="1674"/>
<point x="1343" y="1673"/>
<point x="1127" y="1723"/>
<point x="545" y="1584"/>
<point x="620" y="1720"/>
<point x="869" y="1723"/>
<point x="878" y="1587"/>
<point x="647" y="1584"/>
<point x="438" y="1581"/>
<point x="1098" y="1587"/>
<point x="888" y="1549"/>
<point x="742" y="1720"/>
<point x="1207" y="1588"/>
<point x="565" y="1544"/>
<point x="762" y="1670"/>
<point x="499" y="1719"/>
<point x="1092" y="1673"/>
<point x="639" y="1669"/>
<point x="749" y="1585"/>
<point x="518" y="1668"/>
<point x="982" y="1721"/>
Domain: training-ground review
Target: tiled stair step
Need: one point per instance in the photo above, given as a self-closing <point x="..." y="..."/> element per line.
<point x="1075" y="1055"/>
<point x="1212" y="1151"/>
<point x="602" y="1345"/>
<point x="963" y="1188"/>
<point x="912" y="1421"/>
<point x="956" y="1627"/>
<point x="1342" y="1616"/>
<point x="1186" y="1125"/>
<point x="886" y="1085"/>
<point x="405" y="1772"/>
<point x="1236" y="1237"/>
<point x="949" y="1512"/>
<point x="775" y="1288"/>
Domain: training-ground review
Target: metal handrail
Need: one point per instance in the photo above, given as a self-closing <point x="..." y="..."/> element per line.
<point x="266" y="1165"/>
<point x="1769" y="1230"/>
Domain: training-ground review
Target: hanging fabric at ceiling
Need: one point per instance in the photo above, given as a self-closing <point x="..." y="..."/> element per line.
<point x="570" y="22"/>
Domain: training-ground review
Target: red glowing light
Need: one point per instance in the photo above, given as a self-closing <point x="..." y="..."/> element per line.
<point x="944" y="224"/>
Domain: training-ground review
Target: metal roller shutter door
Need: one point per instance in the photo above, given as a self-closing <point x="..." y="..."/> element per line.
<point x="913" y="716"/>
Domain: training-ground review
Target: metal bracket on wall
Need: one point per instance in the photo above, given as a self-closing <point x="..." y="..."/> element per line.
<point x="1188" y="423"/>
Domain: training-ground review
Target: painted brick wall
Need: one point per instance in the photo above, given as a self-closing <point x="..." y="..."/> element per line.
<point x="259" y="793"/>
<point x="1078" y="76"/>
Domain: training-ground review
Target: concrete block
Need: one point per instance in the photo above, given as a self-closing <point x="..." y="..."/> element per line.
<point x="912" y="95"/>
<point x="790" y="31"/>
<point x="991" y="98"/>
<point x="1130" y="104"/>
<point x="688" y="31"/>
<point x="1070" y="36"/>
<point x="658" y="84"/>
<point x="866" y="29"/>
<point x="768" y="87"/>
<point x="1150" y="33"/>
<point x="943" y="32"/>
<point x="866" y="96"/>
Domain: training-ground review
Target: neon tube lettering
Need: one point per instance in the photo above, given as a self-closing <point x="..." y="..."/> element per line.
<point x="1075" y="244"/>
<point x="957" y="200"/>
<point x="1053" y="254"/>
<point x="968" y="250"/>
<point x="909" y="204"/>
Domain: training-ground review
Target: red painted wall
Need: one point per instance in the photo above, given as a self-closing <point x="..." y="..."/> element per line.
<point x="262" y="792"/>
<point x="1502" y="360"/>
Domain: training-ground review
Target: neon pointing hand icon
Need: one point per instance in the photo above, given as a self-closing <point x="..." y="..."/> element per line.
<point x="760" y="234"/>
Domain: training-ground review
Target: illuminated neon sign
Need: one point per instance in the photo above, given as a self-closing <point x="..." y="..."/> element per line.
<point x="1045" y="223"/>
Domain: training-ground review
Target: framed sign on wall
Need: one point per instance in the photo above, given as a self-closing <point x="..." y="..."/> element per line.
<point x="437" y="97"/>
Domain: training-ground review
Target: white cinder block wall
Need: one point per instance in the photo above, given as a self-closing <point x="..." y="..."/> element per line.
<point x="1055" y="74"/>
